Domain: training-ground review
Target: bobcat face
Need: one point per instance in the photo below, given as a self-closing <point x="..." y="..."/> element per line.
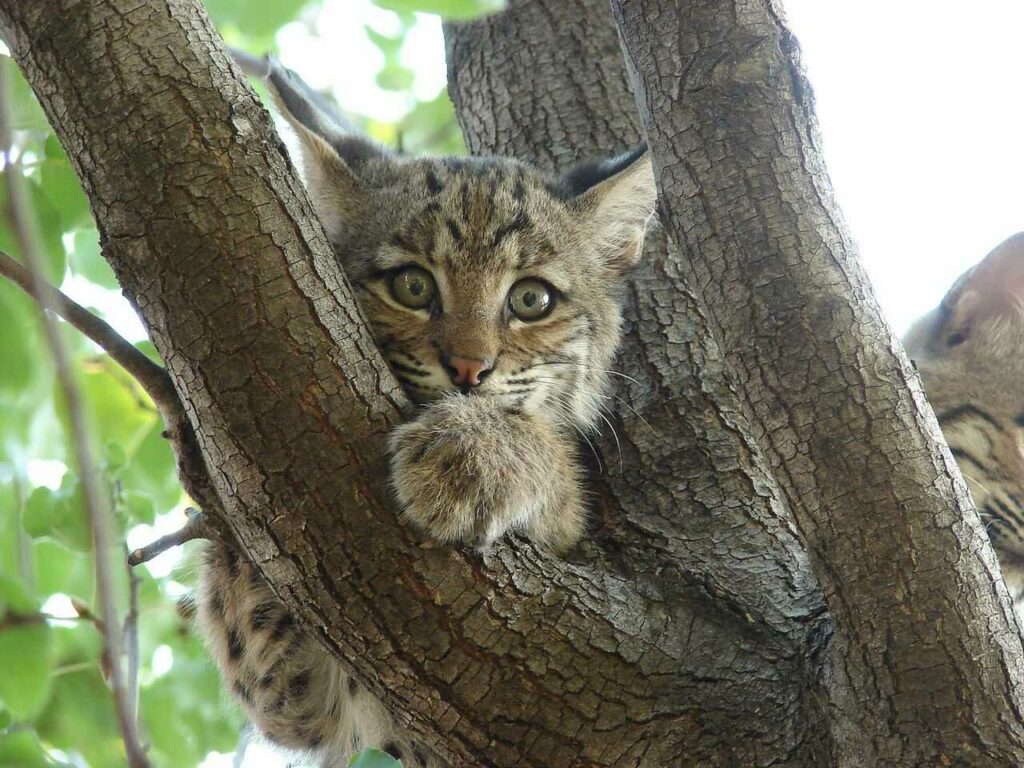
<point x="488" y="285"/>
<point x="483" y="276"/>
<point x="478" y="275"/>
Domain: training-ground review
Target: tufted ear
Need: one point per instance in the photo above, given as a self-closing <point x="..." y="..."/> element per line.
<point x="614" y="199"/>
<point x="992" y="289"/>
<point x="335" y="157"/>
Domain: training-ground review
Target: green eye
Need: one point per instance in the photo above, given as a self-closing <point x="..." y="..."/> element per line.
<point x="531" y="299"/>
<point x="413" y="287"/>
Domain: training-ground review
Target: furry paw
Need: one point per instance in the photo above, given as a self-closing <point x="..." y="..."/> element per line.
<point x="468" y="470"/>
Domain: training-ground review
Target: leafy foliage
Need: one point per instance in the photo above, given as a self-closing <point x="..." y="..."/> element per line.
<point x="55" y="705"/>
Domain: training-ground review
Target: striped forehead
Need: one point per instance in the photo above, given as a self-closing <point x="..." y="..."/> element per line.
<point x="478" y="215"/>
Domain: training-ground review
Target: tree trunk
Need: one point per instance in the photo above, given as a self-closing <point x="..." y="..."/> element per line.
<point x="690" y="629"/>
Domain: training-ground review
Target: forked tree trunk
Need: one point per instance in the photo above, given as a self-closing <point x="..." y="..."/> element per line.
<point x="691" y="629"/>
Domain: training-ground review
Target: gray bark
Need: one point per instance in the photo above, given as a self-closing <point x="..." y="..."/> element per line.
<point x="691" y="629"/>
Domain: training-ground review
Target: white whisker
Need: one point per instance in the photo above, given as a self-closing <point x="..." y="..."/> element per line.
<point x="618" y="446"/>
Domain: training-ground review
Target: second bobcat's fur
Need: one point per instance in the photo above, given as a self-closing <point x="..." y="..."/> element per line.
<point x="492" y="290"/>
<point x="970" y="353"/>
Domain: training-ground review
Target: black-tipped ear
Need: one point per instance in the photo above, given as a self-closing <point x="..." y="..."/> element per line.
<point x="590" y="173"/>
<point x="613" y="199"/>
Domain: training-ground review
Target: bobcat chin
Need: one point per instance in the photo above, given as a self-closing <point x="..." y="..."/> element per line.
<point x="492" y="291"/>
<point x="970" y="353"/>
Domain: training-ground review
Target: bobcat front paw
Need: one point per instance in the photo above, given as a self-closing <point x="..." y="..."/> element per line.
<point x="467" y="470"/>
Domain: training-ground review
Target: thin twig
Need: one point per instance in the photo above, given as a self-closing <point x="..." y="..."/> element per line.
<point x="151" y="377"/>
<point x="197" y="527"/>
<point x="131" y="642"/>
<point x="99" y="514"/>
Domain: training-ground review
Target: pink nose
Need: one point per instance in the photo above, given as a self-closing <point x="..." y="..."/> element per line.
<point x="466" y="370"/>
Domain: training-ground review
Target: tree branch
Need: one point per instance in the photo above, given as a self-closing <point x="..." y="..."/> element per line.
<point x="153" y="378"/>
<point x="131" y="643"/>
<point x="197" y="526"/>
<point x="98" y="513"/>
<point x="694" y="509"/>
<point x="528" y="83"/>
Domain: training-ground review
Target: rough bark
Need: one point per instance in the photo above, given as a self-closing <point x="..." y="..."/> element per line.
<point x="923" y="666"/>
<point x="691" y="629"/>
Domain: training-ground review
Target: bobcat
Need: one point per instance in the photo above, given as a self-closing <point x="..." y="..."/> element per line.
<point x="491" y="289"/>
<point x="970" y="353"/>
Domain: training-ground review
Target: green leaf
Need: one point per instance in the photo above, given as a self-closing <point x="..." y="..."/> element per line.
<point x="151" y="470"/>
<point x="61" y="187"/>
<point x="21" y="749"/>
<point x="15" y="597"/>
<point x="450" y="9"/>
<point x="114" y="456"/>
<point x="139" y="507"/>
<point x="62" y="569"/>
<point x="147" y="348"/>
<point x="431" y="127"/>
<point x="52" y="148"/>
<point x="59" y="514"/>
<point x="373" y="758"/>
<point x="19" y="341"/>
<point x="116" y="412"/>
<point x="80" y="718"/>
<point x="185" y="714"/>
<point x="389" y="46"/>
<point x="40" y="513"/>
<point x="254" y="18"/>
<point x="25" y="659"/>
<point x="395" y="78"/>
<point x="27" y="114"/>
<point x="48" y="227"/>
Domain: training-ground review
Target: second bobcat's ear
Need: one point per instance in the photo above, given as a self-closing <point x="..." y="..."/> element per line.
<point x="614" y="199"/>
<point x="993" y="288"/>
<point x="334" y="155"/>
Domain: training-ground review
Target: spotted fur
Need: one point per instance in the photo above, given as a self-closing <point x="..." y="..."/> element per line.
<point x="970" y="353"/>
<point x="478" y="461"/>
